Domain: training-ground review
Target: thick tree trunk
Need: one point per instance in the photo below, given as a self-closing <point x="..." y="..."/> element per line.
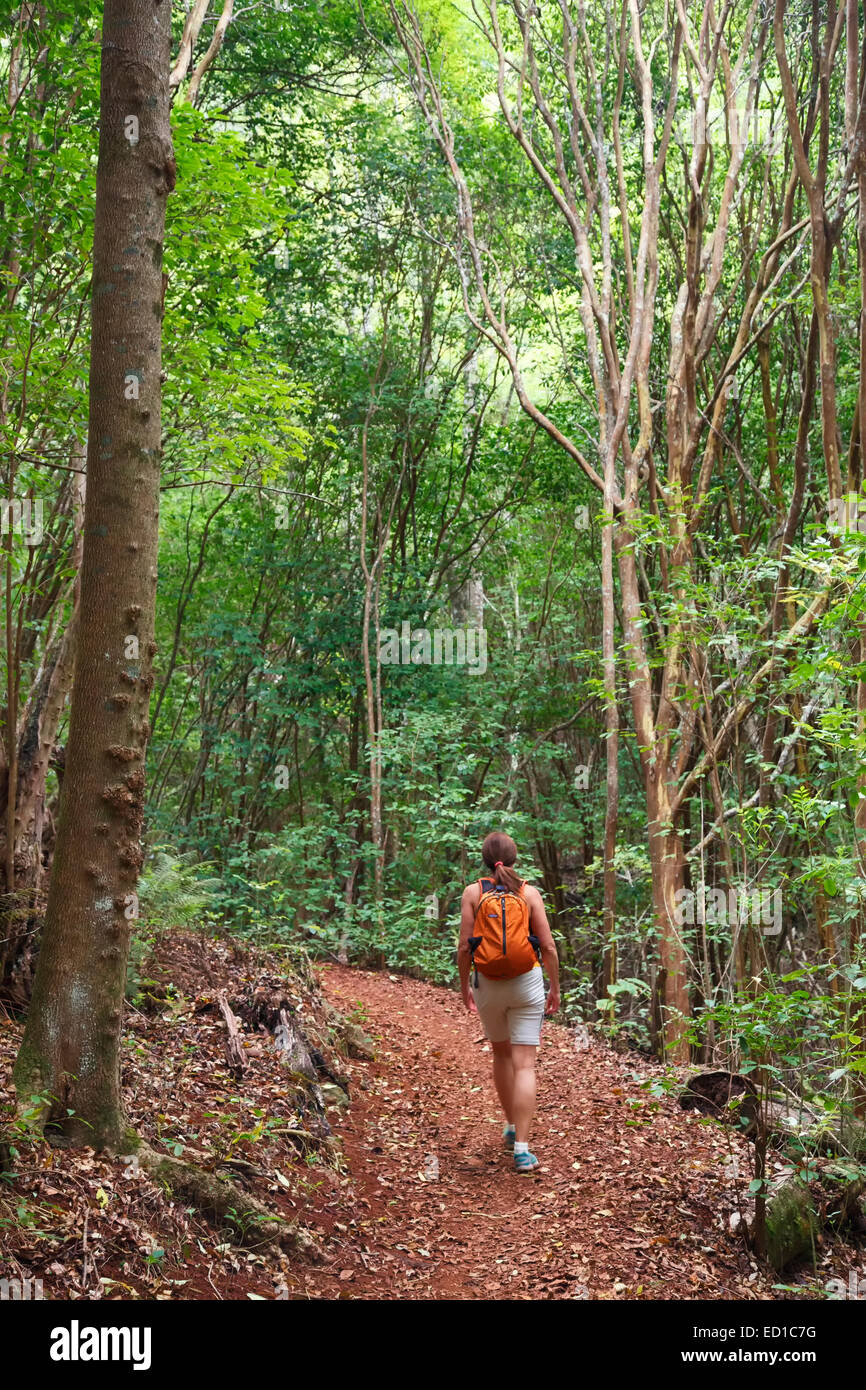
<point x="71" y="1046"/>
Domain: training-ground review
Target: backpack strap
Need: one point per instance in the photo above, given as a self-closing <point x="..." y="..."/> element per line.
<point x="487" y="885"/>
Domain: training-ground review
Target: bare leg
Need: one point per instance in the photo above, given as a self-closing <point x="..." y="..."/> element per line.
<point x="503" y="1077"/>
<point x="523" y="1089"/>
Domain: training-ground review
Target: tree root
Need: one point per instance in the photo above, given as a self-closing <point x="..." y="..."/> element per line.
<point x="222" y="1202"/>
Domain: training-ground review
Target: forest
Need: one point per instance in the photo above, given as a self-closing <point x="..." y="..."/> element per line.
<point x="422" y="419"/>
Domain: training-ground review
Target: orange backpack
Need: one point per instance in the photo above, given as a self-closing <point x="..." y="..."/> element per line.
<point x="503" y="945"/>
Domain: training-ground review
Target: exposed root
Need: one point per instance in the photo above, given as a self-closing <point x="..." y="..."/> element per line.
<point x="222" y="1202"/>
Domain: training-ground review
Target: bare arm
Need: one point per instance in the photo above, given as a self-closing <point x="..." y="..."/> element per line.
<point x="468" y="908"/>
<point x="540" y="927"/>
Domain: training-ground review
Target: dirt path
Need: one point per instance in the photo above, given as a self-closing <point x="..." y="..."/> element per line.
<point x="632" y="1199"/>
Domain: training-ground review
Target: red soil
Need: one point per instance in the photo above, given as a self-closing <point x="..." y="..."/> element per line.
<point x="631" y="1201"/>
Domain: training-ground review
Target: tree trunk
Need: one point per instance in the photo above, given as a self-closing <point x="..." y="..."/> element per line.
<point x="70" y="1054"/>
<point x="21" y="915"/>
<point x="672" y="1006"/>
<point x="611" y="729"/>
<point x="857" y="132"/>
<point x="20" y="920"/>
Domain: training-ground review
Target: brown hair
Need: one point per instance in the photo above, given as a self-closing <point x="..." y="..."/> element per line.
<point x="499" y="853"/>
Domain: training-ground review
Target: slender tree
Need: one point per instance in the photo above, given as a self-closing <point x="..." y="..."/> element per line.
<point x="70" y="1052"/>
<point x="546" y="63"/>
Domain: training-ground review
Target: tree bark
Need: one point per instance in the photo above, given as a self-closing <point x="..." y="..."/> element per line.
<point x="70" y="1053"/>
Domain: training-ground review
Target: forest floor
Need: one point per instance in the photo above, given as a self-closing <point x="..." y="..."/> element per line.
<point x="417" y="1199"/>
<point x="632" y="1200"/>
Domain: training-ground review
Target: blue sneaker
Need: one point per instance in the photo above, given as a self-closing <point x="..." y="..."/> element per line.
<point x="508" y="1138"/>
<point x="525" y="1163"/>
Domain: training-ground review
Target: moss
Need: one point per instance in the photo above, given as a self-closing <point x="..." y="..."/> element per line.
<point x="793" y="1224"/>
<point x="130" y="1141"/>
<point x="29" y="1078"/>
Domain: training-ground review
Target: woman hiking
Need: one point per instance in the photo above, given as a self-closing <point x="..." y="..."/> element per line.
<point x="503" y="932"/>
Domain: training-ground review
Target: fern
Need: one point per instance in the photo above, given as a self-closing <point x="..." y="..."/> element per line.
<point x="170" y="894"/>
<point x="171" y="891"/>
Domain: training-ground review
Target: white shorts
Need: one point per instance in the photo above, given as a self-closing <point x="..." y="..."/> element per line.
<point x="511" y="1010"/>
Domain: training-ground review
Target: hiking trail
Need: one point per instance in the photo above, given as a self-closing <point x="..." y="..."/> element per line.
<point x="632" y="1199"/>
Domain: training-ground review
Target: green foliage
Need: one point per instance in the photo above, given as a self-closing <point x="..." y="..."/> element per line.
<point x="172" y="893"/>
<point x="336" y="430"/>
